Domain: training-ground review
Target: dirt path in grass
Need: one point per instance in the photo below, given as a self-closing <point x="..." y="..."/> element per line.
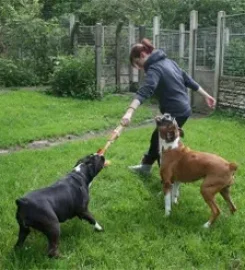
<point x="40" y="144"/>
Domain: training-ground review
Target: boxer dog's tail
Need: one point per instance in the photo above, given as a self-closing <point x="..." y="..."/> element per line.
<point x="233" y="166"/>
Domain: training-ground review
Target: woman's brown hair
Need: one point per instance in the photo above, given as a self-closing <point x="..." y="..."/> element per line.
<point x="144" y="46"/>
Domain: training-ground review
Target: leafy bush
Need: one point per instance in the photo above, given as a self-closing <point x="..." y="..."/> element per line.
<point x="234" y="58"/>
<point x="13" y="74"/>
<point x="75" y="76"/>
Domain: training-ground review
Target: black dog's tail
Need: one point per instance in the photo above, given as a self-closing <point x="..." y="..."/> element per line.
<point x="21" y="212"/>
<point x="21" y="202"/>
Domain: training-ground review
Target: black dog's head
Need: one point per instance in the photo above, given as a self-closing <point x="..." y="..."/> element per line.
<point x="90" y="165"/>
<point x="168" y="128"/>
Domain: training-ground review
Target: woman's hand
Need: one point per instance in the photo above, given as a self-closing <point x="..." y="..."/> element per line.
<point x="126" y="119"/>
<point x="211" y="102"/>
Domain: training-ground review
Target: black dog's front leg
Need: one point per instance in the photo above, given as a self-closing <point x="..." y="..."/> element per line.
<point x="86" y="215"/>
<point x="84" y="212"/>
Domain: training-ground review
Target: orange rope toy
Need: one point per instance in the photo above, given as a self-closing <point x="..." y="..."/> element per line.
<point x="115" y="134"/>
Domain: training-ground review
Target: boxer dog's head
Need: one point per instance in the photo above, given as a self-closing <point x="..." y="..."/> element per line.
<point x="168" y="128"/>
<point x="91" y="164"/>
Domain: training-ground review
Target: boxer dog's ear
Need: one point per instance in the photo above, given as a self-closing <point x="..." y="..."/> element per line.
<point x="158" y="120"/>
<point x="181" y="132"/>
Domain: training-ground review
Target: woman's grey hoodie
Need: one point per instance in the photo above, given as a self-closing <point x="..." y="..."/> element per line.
<point x="165" y="79"/>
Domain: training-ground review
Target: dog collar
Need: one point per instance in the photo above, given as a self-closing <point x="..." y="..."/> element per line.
<point x="168" y="146"/>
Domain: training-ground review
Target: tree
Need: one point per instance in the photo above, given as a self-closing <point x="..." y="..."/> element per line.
<point x="172" y="12"/>
<point x="53" y="8"/>
<point x="15" y="9"/>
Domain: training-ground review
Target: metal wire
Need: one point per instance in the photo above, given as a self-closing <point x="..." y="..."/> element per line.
<point x="234" y="45"/>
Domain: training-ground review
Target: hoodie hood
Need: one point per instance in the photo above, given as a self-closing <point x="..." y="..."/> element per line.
<point x="156" y="56"/>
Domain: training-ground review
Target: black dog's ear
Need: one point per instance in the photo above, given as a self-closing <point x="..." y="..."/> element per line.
<point x="181" y="132"/>
<point x="158" y="120"/>
<point x="78" y="162"/>
<point x="84" y="160"/>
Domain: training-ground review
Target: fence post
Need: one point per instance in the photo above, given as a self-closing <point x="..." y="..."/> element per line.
<point x="192" y="46"/>
<point x="132" y="72"/>
<point x="181" y="43"/>
<point x="141" y="36"/>
<point x="98" y="57"/>
<point x="219" y="52"/>
<point x="73" y="28"/>
<point x="118" y="55"/>
<point x="156" y="31"/>
<point x="72" y="21"/>
<point x="227" y="36"/>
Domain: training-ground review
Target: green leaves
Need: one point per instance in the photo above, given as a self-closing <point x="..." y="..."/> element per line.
<point x="234" y="58"/>
<point x="14" y="74"/>
<point x="75" y="76"/>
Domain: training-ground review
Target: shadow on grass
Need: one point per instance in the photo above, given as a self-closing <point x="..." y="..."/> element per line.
<point x="186" y="214"/>
<point x="33" y="255"/>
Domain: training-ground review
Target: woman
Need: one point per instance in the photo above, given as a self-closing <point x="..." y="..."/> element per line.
<point x="168" y="82"/>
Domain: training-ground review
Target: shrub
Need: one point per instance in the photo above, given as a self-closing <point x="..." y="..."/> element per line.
<point x="14" y="74"/>
<point x="75" y="76"/>
<point x="234" y="58"/>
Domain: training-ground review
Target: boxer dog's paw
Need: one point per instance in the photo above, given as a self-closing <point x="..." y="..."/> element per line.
<point x="207" y="225"/>
<point x="175" y="201"/>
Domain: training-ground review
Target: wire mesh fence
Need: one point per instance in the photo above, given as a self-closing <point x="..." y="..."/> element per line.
<point x="176" y="45"/>
<point x="86" y="36"/>
<point x="109" y="56"/>
<point x="169" y="41"/>
<point x="31" y="49"/>
<point x="234" y="45"/>
<point x="33" y="46"/>
<point x="50" y="40"/>
<point x="149" y="33"/>
<point x="206" y="46"/>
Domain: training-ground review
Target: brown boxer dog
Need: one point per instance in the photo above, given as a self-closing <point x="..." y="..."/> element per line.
<point x="45" y="208"/>
<point x="179" y="164"/>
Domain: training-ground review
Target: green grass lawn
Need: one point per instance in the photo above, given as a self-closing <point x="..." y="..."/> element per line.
<point x="30" y="115"/>
<point x="130" y="207"/>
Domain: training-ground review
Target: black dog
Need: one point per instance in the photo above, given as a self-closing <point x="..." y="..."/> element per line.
<point x="45" y="208"/>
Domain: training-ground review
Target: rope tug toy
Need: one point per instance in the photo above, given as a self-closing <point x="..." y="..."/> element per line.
<point x="115" y="134"/>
